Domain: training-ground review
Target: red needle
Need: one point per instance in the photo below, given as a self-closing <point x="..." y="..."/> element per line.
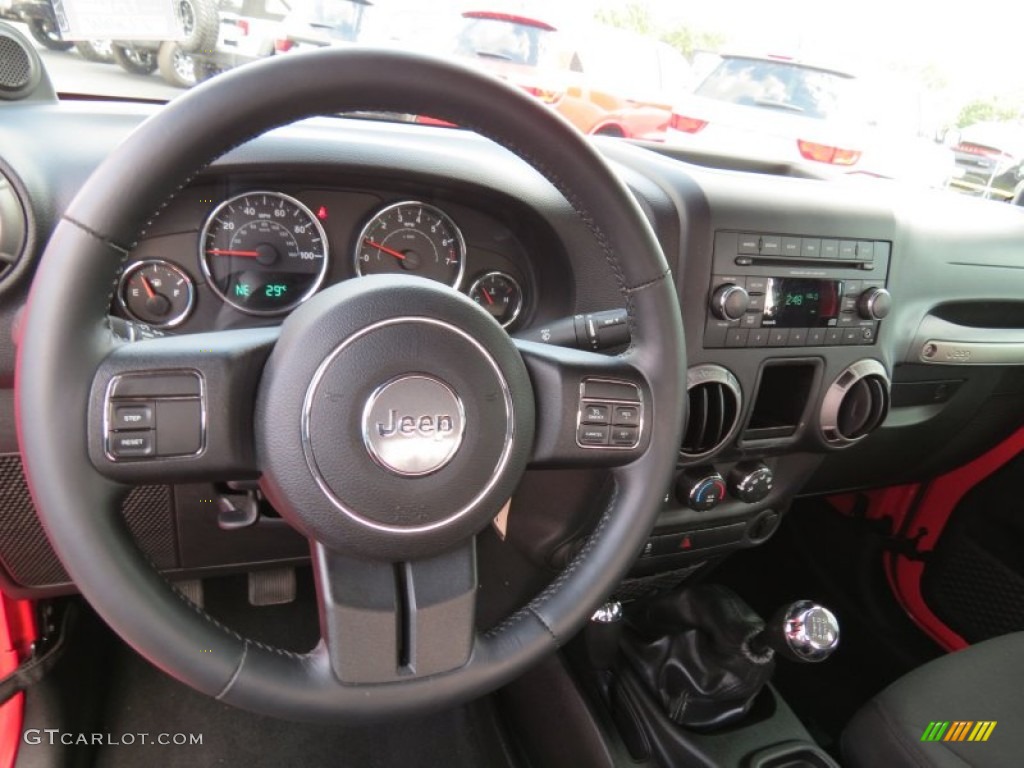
<point x="385" y="249"/>
<point x="227" y="252"/>
<point x="487" y="296"/>
<point x="149" y="289"/>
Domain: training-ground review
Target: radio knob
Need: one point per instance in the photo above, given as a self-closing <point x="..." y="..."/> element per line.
<point x="729" y="302"/>
<point x="874" y="304"/>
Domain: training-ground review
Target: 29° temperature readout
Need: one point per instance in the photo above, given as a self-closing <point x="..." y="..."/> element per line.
<point x="263" y="252"/>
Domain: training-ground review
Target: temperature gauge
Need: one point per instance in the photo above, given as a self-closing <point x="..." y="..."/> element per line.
<point x="157" y="293"/>
<point x="500" y="295"/>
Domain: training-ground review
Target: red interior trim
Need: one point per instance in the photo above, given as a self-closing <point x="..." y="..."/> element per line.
<point x="928" y="521"/>
<point x="17" y="633"/>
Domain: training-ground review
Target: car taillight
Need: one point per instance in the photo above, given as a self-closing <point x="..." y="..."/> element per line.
<point x="823" y="153"/>
<point x="243" y="27"/>
<point x="547" y="95"/>
<point x="686" y="124"/>
<point x="978" y="149"/>
<point x="283" y="45"/>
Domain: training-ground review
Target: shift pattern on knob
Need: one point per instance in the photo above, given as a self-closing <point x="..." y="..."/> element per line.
<point x="809" y="632"/>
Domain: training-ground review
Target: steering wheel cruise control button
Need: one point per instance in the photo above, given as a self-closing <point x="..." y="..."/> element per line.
<point x="626" y="418"/>
<point x="589" y="435"/>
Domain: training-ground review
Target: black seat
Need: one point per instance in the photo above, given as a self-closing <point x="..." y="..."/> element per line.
<point x="983" y="683"/>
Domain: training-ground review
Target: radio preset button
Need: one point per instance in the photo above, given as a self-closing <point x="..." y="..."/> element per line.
<point x="810" y="247"/>
<point x="797" y="337"/>
<point x="748" y="244"/>
<point x="758" y="338"/>
<point x="771" y="245"/>
<point x="815" y="337"/>
<point x="833" y="337"/>
<point x="778" y="337"/>
<point x="736" y="337"/>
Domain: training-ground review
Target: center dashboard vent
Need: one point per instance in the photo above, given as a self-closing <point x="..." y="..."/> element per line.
<point x="714" y="410"/>
<point x="856" y="404"/>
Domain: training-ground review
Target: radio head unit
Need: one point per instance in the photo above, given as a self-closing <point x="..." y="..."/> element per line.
<point x="795" y="291"/>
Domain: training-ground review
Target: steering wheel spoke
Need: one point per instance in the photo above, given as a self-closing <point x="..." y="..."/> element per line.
<point x="592" y="409"/>
<point x="178" y="408"/>
<point x="384" y="622"/>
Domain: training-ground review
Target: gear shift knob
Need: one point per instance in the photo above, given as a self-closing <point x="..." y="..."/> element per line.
<point x="802" y="631"/>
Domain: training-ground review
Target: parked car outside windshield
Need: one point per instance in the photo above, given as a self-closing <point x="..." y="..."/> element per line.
<point x="825" y="120"/>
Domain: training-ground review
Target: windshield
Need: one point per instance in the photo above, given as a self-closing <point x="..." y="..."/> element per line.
<point x="867" y="97"/>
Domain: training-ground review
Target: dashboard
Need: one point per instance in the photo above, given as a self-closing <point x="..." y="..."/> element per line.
<point x="839" y="335"/>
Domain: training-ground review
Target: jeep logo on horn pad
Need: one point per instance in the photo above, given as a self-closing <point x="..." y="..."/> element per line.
<point x="413" y="425"/>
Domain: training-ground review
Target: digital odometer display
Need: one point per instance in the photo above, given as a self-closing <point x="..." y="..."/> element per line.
<point x="263" y="252"/>
<point x="801" y="303"/>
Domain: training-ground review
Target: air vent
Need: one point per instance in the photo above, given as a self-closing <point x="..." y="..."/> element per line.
<point x="12" y="227"/>
<point x="713" y="412"/>
<point x="856" y="403"/>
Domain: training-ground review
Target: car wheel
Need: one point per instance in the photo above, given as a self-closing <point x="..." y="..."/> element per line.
<point x="47" y="35"/>
<point x="201" y="23"/>
<point x="396" y="640"/>
<point x="138" y="61"/>
<point x="175" y="65"/>
<point x="100" y="51"/>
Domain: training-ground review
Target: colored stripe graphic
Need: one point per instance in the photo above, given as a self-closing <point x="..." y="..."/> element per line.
<point x="958" y="730"/>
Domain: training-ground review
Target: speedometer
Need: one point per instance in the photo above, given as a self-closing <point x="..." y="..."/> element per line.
<point x="263" y="253"/>
<point x="412" y="238"/>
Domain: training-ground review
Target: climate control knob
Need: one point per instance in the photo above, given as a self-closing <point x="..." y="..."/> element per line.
<point x="700" y="489"/>
<point x="729" y="302"/>
<point x="874" y="304"/>
<point x="751" y="482"/>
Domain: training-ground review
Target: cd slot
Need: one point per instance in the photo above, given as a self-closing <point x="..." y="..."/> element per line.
<point x="776" y="261"/>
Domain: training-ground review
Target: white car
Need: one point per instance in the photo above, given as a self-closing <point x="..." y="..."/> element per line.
<point x="823" y="120"/>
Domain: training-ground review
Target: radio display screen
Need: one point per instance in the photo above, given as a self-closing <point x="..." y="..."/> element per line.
<point x="797" y="302"/>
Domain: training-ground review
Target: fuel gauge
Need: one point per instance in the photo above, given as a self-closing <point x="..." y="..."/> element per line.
<point x="157" y="293"/>
<point x="500" y="295"/>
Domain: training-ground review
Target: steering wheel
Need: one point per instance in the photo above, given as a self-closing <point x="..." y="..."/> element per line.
<point x="387" y="419"/>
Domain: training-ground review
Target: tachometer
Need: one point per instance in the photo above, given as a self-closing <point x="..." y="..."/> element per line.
<point x="263" y="252"/>
<point x="412" y="238"/>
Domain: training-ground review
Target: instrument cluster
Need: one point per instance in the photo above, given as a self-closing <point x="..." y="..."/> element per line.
<point x="261" y="253"/>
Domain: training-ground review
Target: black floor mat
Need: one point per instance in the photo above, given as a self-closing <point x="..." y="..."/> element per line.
<point x="140" y="699"/>
<point x="820" y="555"/>
<point x="974" y="578"/>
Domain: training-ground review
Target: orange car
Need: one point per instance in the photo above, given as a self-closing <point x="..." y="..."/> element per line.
<point x="628" y="95"/>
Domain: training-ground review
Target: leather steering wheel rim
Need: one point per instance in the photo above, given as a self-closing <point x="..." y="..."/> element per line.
<point x="66" y="338"/>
